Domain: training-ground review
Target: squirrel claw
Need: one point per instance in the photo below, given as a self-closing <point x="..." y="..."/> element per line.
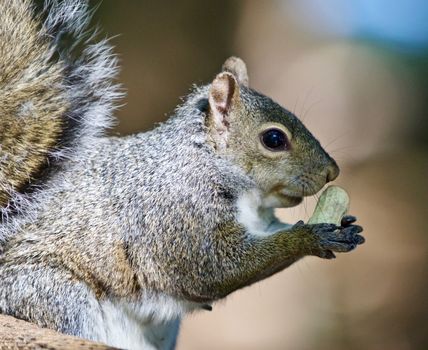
<point x="206" y="307"/>
<point x="348" y="220"/>
<point x="327" y="254"/>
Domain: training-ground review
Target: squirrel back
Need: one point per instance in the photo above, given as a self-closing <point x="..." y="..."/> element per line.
<point x="51" y="104"/>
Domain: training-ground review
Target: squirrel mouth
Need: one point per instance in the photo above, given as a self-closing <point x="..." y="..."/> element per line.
<point x="292" y="200"/>
<point x="280" y="198"/>
<point x="295" y="192"/>
<point x="283" y="191"/>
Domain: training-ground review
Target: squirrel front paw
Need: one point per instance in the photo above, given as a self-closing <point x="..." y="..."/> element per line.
<point x="330" y="238"/>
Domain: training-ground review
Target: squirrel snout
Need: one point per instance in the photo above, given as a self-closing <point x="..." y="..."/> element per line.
<point x="332" y="171"/>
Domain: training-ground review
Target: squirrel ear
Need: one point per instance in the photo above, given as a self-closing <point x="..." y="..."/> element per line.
<point x="238" y="68"/>
<point x="224" y="90"/>
<point x="223" y="94"/>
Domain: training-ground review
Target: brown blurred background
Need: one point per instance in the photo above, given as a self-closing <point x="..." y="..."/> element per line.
<point x="356" y="73"/>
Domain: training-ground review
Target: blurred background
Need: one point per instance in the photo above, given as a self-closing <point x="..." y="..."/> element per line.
<point x="356" y="73"/>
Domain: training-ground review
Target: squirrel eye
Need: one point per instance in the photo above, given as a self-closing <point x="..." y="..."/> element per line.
<point x="274" y="140"/>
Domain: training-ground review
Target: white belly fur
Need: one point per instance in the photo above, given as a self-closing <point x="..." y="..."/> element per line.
<point x="149" y="324"/>
<point x="257" y="218"/>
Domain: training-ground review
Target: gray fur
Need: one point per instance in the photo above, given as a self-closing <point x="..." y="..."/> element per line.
<point x="148" y="224"/>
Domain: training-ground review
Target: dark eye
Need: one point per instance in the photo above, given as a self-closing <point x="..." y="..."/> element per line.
<point x="274" y="140"/>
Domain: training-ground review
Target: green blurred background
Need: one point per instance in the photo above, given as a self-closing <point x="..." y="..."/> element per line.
<point x="356" y="73"/>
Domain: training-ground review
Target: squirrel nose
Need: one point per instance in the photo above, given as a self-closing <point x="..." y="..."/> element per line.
<point x="332" y="172"/>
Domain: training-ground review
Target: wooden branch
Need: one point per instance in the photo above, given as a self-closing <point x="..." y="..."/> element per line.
<point x="21" y="335"/>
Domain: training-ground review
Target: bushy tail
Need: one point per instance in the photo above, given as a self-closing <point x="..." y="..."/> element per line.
<point x="56" y="92"/>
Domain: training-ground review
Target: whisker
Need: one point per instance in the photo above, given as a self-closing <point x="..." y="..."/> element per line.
<point x="295" y="105"/>
<point x="337" y="138"/>
<point x="306" y="113"/>
<point x="304" y="201"/>
<point x="307" y="95"/>
<point x="317" y="196"/>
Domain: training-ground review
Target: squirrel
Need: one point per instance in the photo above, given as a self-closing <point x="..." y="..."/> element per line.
<point x="115" y="239"/>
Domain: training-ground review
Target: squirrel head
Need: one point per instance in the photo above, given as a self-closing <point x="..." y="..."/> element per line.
<point x="267" y="141"/>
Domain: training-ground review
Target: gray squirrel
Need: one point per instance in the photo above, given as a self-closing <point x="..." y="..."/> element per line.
<point x="115" y="239"/>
